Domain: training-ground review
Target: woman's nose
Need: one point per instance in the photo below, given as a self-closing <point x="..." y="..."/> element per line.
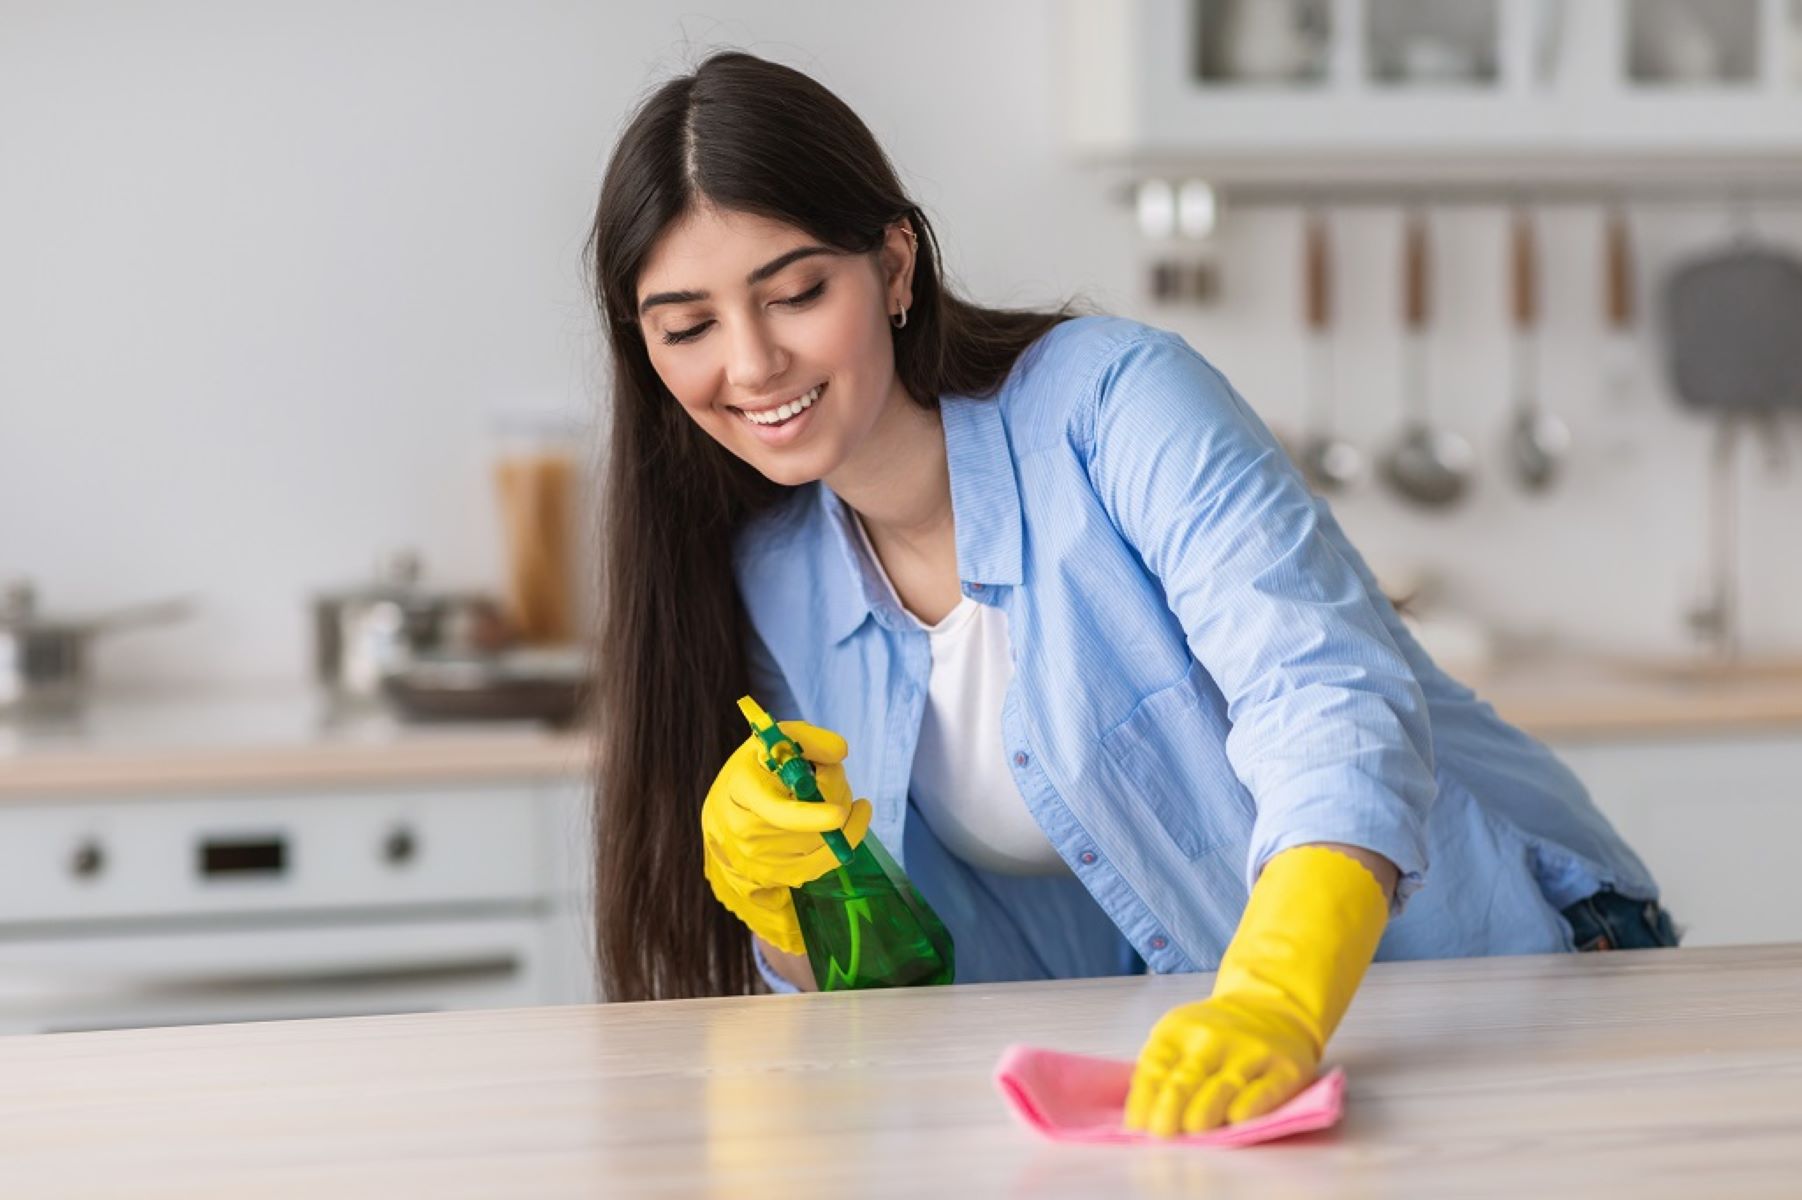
<point x="755" y="358"/>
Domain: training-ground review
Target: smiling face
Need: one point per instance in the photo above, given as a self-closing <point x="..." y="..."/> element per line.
<point x="778" y="346"/>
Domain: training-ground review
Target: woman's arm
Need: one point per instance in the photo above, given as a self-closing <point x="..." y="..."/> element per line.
<point x="1308" y="932"/>
<point x="794" y="969"/>
<point x="1382" y="869"/>
<point x="1329" y="729"/>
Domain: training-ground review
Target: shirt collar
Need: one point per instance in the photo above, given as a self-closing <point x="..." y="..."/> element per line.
<point x="985" y="491"/>
<point x="985" y="507"/>
<point x="860" y="591"/>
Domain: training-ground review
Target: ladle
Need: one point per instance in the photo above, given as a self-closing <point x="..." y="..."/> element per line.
<point x="1537" y="441"/>
<point x="1330" y="463"/>
<point x="1430" y="467"/>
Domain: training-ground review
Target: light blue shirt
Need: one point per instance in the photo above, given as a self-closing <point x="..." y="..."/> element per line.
<point x="1205" y="674"/>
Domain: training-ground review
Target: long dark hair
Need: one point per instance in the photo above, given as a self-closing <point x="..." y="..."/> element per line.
<point x="744" y="135"/>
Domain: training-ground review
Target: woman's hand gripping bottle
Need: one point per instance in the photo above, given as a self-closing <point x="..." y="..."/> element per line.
<point x="787" y="852"/>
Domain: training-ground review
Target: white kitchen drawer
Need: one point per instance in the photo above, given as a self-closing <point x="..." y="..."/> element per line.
<point x="269" y="971"/>
<point x="166" y="858"/>
<point x="1716" y="818"/>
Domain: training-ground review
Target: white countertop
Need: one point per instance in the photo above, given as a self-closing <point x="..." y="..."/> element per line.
<point x="263" y="737"/>
<point x="1647" y="1073"/>
<point x="1578" y="697"/>
<point x="288" y="736"/>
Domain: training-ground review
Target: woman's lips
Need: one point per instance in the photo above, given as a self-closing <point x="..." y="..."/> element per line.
<point x="786" y="431"/>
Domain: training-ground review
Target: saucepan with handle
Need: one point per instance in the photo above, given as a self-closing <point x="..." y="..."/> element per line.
<point x="44" y="659"/>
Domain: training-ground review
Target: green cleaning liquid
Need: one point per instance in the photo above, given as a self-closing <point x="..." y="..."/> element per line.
<point x="864" y="923"/>
<point x="866" y="927"/>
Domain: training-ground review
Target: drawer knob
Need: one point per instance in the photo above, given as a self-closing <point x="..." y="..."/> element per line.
<point x="88" y="861"/>
<point x="400" y="846"/>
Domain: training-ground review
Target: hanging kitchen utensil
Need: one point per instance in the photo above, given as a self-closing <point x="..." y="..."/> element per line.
<point x="1620" y="353"/>
<point x="44" y="660"/>
<point x="1330" y="463"/>
<point x="1733" y="326"/>
<point x="1430" y="467"/>
<point x="1537" y="441"/>
<point x="1734" y="329"/>
<point x="1716" y="620"/>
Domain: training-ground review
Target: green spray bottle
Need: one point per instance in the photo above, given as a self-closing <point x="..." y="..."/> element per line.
<point x="864" y="924"/>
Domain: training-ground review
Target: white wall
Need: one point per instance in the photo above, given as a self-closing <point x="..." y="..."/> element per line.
<point x="268" y="271"/>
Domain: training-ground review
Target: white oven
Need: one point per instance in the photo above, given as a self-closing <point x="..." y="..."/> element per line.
<point x="181" y="910"/>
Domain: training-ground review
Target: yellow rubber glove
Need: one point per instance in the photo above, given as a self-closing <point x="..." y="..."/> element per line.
<point x="760" y="841"/>
<point x="1309" y="931"/>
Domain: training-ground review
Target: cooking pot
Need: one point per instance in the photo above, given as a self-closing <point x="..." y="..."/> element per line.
<point x="363" y="634"/>
<point x="44" y="660"/>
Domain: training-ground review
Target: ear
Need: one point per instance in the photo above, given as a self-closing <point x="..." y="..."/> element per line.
<point x="900" y="247"/>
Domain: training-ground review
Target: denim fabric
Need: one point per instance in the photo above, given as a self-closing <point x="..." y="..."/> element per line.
<point x="1611" y="921"/>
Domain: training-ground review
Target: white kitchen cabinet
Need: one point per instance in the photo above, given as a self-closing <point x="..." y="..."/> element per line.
<point x="566" y="830"/>
<point x="1718" y="819"/>
<point x="193" y="856"/>
<point x="1423" y="89"/>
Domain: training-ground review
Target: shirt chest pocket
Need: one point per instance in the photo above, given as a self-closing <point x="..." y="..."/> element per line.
<point x="1168" y="758"/>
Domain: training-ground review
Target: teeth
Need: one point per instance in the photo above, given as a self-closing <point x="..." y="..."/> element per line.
<point x="781" y="413"/>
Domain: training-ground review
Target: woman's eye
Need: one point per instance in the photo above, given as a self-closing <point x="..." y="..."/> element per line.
<point x="811" y="294"/>
<point x="675" y="337"/>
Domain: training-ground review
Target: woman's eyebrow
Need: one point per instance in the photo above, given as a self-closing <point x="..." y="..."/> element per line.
<point x="755" y="277"/>
<point x="782" y="260"/>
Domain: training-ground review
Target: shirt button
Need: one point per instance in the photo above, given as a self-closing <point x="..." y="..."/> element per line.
<point x="1159" y="942"/>
<point x="1087" y="856"/>
<point x="1020" y="758"/>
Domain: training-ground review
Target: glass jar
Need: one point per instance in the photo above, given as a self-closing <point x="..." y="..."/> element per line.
<point x="536" y="469"/>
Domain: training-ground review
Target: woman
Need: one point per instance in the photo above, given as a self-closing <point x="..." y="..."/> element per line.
<point x="1121" y="694"/>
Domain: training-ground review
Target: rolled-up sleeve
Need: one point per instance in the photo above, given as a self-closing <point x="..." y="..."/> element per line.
<point x="1329" y="729"/>
<point x="771" y="980"/>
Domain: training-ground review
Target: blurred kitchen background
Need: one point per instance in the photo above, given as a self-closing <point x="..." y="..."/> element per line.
<point x="301" y="395"/>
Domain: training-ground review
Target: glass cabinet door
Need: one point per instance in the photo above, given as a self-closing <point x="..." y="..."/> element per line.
<point x="1409" y="88"/>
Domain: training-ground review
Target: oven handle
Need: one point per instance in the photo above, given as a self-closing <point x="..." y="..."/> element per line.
<point x="38" y="989"/>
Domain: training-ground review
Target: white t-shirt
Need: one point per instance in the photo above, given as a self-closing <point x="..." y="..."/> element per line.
<point x="961" y="782"/>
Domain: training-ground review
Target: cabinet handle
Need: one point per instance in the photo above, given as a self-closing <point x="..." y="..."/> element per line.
<point x="47" y="991"/>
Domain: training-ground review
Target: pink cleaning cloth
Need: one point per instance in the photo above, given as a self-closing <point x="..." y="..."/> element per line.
<point x="1076" y="1098"/>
